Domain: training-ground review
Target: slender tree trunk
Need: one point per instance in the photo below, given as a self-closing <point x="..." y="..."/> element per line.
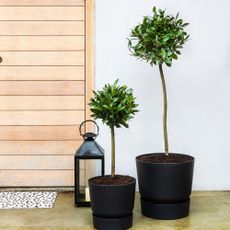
<point x="112" y="151"/>
<point x="165" y="110"/>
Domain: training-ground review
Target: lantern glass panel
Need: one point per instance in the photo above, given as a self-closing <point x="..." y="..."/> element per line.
<point x="88" y="169"/>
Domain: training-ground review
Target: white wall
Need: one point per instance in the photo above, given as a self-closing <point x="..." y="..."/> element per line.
<point x="198" y="87"/>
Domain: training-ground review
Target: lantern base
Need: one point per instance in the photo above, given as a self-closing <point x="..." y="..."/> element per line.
<point x="80" y="201"/>
<point x="83" y="204"/>
<point x="113" y="223"/>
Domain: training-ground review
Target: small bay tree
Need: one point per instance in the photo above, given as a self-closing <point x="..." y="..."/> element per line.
<point x="158" y="40"/>
<point x="115" y="106"/>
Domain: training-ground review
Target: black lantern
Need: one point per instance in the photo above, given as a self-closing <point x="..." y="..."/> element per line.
<point x="89" y="162"/>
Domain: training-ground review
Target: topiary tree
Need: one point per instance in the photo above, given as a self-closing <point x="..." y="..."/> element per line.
<point x="115" y="106"/>
<point x="158" y="40"/>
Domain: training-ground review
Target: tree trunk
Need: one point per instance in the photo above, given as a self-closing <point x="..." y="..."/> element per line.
<point x="165" y="110"/>
<point x="112" y="151"/>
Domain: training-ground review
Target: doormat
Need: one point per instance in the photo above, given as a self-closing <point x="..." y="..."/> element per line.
<point x="17" y="200"/>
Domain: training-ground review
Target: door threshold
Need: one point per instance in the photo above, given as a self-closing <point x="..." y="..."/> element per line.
<point x="19" y="189"/>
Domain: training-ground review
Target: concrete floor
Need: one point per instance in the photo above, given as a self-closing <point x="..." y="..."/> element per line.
<point x="209" y="211"/>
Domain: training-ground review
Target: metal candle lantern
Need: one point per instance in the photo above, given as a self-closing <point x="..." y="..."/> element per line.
<point x="89" y="162"/>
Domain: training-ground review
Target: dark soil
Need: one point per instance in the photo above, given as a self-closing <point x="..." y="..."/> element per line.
<point x="162" y="158"/>
<point x="116" y="180"/>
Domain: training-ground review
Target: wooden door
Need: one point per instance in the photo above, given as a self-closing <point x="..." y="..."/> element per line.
<point x="45" y="82"/>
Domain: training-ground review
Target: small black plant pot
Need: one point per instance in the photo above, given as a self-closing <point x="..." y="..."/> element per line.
<point x="112" y="205"/>
<point x="165" y="187"/>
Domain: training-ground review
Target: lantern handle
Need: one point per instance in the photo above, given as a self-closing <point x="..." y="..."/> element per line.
<point x="80" y="128"/>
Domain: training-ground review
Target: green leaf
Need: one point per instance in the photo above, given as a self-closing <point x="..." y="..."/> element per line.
<point x="174" y="56"/>
<point x="178" y="52"/>
<point x="168" y="62"/>
<point x="163" y="53"/>
<point x="165" y="39"/>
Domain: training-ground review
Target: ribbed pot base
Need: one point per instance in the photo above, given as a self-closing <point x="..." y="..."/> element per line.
<point x="165" y="211"/>
<point x="113" y="224"/>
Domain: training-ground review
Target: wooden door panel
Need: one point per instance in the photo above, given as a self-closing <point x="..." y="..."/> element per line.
<point x="37" y="162"/>
<point x="41" y="43"/>
<point x="39" y="148"/>
<point x="36" y="178"/>
<point x="41" y="117"/>
<point x="42" y="73"/>
<point x="43" y="58"/>
<point x="41" y="88"/>
<point x="41" y="28"/>
<point x="42" y="102"/>
<point x="44" y="88"/>
<point x="42" y="2"/>
<point x="41" y="13"/>
<point x="40" y="133"/>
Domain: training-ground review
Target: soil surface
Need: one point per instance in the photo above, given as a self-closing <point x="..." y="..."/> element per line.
<point x="116" y="180"/>
<point x="162" y="158"/>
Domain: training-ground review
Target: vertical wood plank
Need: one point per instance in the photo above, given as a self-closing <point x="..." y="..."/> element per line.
<point x="89" y="65"/>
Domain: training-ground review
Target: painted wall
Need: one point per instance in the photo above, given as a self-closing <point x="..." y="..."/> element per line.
<point x="198" y="87"/>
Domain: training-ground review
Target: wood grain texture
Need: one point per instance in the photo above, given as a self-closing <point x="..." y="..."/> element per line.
<point x="41" y="2"/>
<point x="42" y="73"/>
<point x="57" y="28"/>
<point x="9" y="88"/>
<point x="36" y="178"/>
<point x="41" y="43"/>
<point x="89" y="68"/>
<point x="43" y="92"/>
<point x="42" y="13"/>
<point x="40" y="133"/>
<point x="89" y="56"/>
<point x="41" y="117"/>
<point x="36" y="162"/>
<point x="42" y="102"/>
<point x="43" y="58"/>
<point x="38" y="147"/>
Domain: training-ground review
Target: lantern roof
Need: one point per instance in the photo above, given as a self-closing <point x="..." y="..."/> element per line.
<point x="90" y="149"/>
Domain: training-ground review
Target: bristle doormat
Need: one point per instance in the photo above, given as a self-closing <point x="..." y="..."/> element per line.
<point x="17" y="200"/>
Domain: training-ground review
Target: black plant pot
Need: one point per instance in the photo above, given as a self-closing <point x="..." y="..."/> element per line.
<point x="165" y="188"/>
<point x="112" y="205"/>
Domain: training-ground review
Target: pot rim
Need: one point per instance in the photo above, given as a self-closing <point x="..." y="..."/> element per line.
<point x="166" y="163"/>
<point x="107" y="185"/>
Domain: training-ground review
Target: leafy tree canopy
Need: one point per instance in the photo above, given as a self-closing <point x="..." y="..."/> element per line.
<point x="114" y="105"/>
<point x="159" y="38"/>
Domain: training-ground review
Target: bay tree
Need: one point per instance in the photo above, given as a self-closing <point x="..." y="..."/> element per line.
<point x="158" y="40"/>
<point x="115" y="106"/>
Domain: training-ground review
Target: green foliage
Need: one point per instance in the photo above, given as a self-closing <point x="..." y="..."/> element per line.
<point x="114" y="105"/>
<point x="159" y="38"/>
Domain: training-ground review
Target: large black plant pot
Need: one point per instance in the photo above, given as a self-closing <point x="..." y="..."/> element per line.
<point x="165" y="187"/>
<point x="112" y="205"/>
